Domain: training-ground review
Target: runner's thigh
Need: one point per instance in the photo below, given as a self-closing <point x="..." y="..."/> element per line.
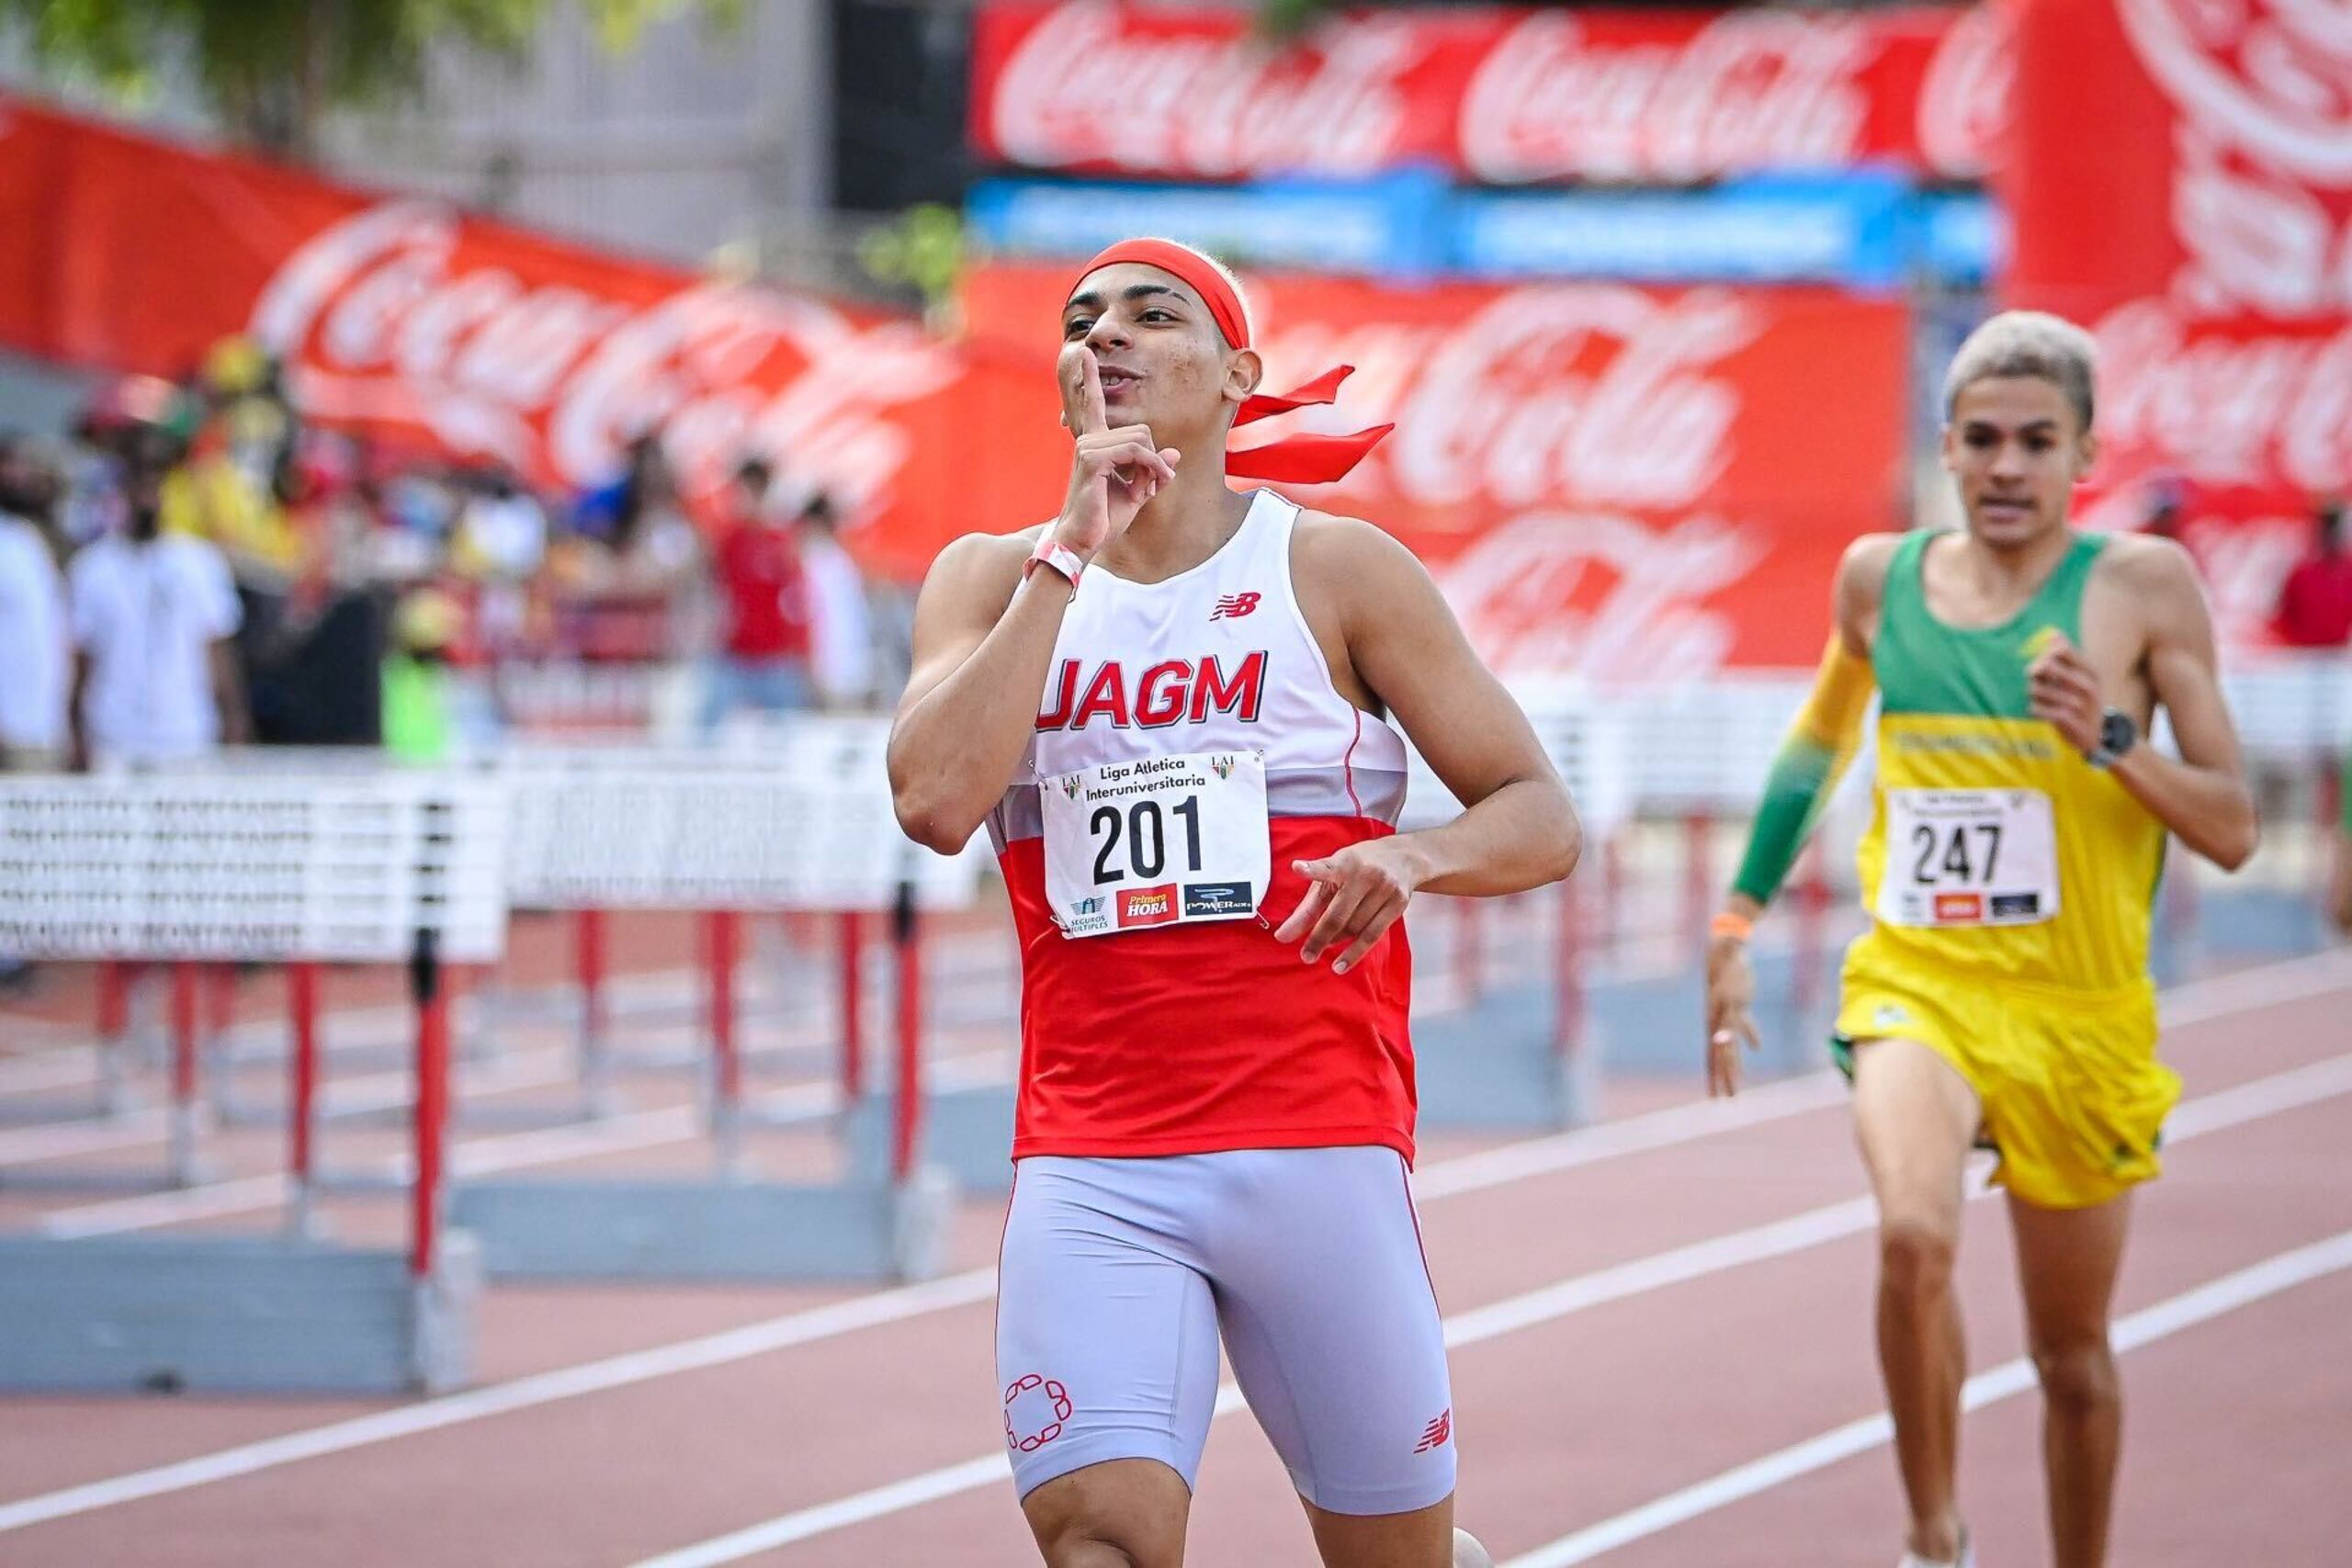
<point x="1105" y="1333"/>
<point x="1333" y="1329"/>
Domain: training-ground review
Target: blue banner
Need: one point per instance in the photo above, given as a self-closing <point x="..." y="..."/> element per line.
<point x="1391" y="226"/>
<point x="1866" y="231"/>
<point x="1849" y="230"/>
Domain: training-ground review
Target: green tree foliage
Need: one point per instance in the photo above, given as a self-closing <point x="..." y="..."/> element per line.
<point x="270" y="69"/>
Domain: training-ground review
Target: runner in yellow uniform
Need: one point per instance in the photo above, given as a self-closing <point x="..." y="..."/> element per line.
<point x="2002" y="991"/>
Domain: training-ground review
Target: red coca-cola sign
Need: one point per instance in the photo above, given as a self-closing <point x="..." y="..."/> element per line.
<point x="1611" y="482"/>
<point x="2191" y="203"/>
<point x="409" y="319"/>
<point x="1498" y="95"/>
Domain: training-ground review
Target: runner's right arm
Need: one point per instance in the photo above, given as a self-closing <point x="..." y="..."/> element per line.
<point x="1826" y="734"/>
<point x="984" y="637"/>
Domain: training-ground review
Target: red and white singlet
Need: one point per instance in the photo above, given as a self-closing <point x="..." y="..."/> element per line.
<point x="1190" y="746"/>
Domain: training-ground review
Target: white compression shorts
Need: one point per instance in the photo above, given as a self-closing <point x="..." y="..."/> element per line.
<point x="1118" y="1276"/>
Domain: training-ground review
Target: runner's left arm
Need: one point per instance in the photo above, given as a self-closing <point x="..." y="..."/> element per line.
<point x="1518" y="828"/>
<point x="2201" y="795"/>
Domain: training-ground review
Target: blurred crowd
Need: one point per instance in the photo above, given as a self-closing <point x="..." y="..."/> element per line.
<point x="195" y="566"/>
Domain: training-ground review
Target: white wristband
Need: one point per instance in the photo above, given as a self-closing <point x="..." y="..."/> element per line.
<point x="1060" y="557"/>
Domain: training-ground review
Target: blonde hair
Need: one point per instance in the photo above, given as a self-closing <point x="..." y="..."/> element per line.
<point x="2028" y="343"/>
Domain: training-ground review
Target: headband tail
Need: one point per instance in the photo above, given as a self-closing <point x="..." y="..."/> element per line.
<point x="1324" y="389"/>
<point x="1304" y="459"/>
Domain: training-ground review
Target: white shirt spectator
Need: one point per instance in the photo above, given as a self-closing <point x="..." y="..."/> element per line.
<point x="841" y="631"/>
<point x="36" y="671"/>
<point x="147" y="615"/>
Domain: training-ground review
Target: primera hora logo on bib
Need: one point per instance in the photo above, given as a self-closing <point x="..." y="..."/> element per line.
<point x="1148" y="906"/>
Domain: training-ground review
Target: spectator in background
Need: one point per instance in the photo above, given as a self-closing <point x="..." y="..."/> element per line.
<point x="631" y="584"/>
<point x="840" y="626"/>
<point x="418" y="726"/>
<point x="2166" y="504"/>
<point x="501" y="544"/>
<point x="152" y="617"/>
<point x="2316" y="601"/>
<point x="35" y="653"/>
<point x="763" y="654"/>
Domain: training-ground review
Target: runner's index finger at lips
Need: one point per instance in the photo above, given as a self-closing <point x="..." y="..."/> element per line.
<point x="1082" y="408"/>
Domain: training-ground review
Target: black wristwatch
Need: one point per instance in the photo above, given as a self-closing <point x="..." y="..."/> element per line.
<point x="2118" y="733"/>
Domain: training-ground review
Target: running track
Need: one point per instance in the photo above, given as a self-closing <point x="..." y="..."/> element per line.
<point x="1662" y="1357"/>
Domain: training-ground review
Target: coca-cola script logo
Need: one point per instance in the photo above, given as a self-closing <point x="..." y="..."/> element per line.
<point x="1584" y="396"/>
<point x="381" y="321"/>
<point x="1601" y="595"/>
<point x="1964" y="98"/>
<point x="1081" y="88"/>
<point x="2273" y="77"/>
<point x="2253" y="410"/>
<point x="1746" y="92"/>
<point x="2262" y="198"/>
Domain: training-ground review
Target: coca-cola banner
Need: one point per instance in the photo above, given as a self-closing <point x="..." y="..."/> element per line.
<point x="2190" y="202"/>
<point x="1619" y="481"/>
<point x="408" y="320"/>
<point x="1503" y="94"/>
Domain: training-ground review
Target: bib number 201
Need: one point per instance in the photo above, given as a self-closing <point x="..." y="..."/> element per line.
<point x="1156" y="841"/>
<point x="1142" y="823"/>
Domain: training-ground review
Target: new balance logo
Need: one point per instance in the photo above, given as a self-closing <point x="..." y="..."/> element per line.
<point x="1435" y="1434"/>
<point x="1233" y="606"/>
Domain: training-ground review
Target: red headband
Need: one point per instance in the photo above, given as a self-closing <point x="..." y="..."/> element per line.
<point x="1295" y="459"/>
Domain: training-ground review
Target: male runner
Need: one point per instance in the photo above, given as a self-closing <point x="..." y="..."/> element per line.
<point x="2002" y="991"/>
<point x="1195" y="826"/>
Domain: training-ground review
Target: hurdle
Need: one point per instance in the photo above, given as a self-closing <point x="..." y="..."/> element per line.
<point x="368" y="869"/>
<point x="802" y="826"/>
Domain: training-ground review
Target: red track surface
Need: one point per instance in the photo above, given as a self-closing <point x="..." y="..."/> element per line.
<point x="2238" y="1433"/>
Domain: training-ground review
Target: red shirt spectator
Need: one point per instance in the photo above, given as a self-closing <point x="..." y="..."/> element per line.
<point x="759" y="579"/>
<point x="2315" y="604"/>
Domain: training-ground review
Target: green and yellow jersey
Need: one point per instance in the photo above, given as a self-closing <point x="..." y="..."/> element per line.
<point x="1994" y="848"/>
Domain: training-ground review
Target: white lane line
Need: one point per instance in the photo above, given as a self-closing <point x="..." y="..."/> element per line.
<point x="614" y="1372"/>
<point x="1655" y="1129"/>
<point x="520" y="1394"/>
<point x="2214" y="1299"/>
<point x="1581" y="1292"/>
<point x="1658" y="1129"/>
<point x="483" y="1156"/>
<point x="342" y="1097"/>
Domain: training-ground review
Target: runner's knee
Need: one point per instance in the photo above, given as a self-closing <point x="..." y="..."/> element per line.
<point x="1916" y="1257"/>
<point x="2078" y="1378"/>
<point x="1117" y="1515"/>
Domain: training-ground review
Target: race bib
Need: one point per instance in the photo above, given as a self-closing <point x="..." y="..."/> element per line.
<point x="1157" y="842"/>
<point x="1968" y="857"/>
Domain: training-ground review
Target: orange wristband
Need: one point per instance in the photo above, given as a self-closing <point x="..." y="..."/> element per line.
<point x="1737" y="927"/>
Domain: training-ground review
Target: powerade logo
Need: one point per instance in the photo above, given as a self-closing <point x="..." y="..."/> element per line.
<point x="1148" y="906"/>
<point x="1218" y="898"/>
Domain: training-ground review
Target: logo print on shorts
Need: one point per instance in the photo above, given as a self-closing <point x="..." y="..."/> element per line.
<point x="1233" y="606"/>
<point x="1437" y="1432"/>
<point x="1034" y="1410"/>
